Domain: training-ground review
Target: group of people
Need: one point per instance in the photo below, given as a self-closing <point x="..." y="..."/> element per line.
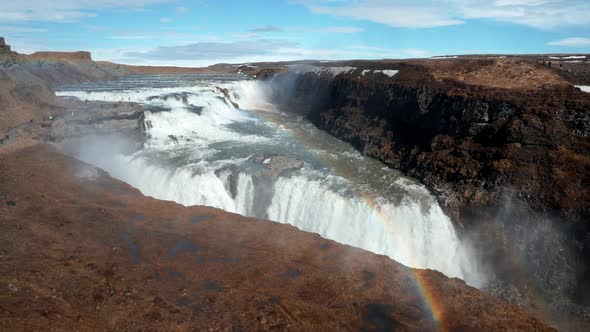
<point x="6" y="137"/>
<point x="548" y="64"/>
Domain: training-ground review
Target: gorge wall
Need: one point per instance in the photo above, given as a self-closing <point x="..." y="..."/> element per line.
<point x="504" y="143"/>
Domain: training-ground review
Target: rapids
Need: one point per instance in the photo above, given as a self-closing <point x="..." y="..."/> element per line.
<point x="202" y="132"/>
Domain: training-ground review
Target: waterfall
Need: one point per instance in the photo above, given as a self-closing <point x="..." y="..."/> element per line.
<point x="208" y="164"/>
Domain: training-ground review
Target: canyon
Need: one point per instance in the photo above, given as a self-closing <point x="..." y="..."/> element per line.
<point x="502" y="144"/>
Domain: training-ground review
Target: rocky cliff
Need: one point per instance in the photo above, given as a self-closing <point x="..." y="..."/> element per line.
<point x="505" y="143"/>
<point x="27" y="83"/>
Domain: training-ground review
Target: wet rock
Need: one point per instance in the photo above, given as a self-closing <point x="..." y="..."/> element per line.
<point x="98" y="118"/>
<point x="273" y="165"/>
<point x="230" y="172"/>
<point x="227" y="96"/>
<point x="195" y="109"/>
<point x="180" y="96"/>
<point x="267" y="169"/>
<point x="173" y="139"/>
<point x="264" y="170"/>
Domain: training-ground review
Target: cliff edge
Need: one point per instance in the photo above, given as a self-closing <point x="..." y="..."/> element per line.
<point x="82" y="251"/>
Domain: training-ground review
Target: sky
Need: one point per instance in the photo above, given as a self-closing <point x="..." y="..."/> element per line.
<point x="204" y="32"/>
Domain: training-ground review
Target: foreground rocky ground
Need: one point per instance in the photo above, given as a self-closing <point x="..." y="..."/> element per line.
<point x="82" y="251"/>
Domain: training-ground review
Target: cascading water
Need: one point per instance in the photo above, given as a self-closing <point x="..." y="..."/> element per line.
<point x="217" y="141"/>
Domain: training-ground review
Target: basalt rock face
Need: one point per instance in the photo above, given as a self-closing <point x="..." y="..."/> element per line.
<point x="510" y="165"/>
<point x="475" y="139"/>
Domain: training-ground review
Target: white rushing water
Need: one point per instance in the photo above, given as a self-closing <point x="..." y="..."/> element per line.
<point x="199" y="149"/>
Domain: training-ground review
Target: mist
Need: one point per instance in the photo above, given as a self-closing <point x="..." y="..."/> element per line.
<point x="264" y="160"/>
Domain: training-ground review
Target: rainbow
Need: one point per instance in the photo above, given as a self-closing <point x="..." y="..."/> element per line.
<point x="431" y="301"/>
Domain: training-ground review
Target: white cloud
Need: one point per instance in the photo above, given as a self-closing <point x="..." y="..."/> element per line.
<point x="164" y="20"/>
<point x="247" y="35"/>
<point x="542" y="14"/>
<point x="180" y="10"/>
<point x="538" y="14"/>
<point x="329" y="29"/>
<point x="64" y="10"/>
<point x="399" y="14"/>
<point x="337" y="29"/>
<point x="128" y="37"/>
<point x="521" y="2"/>
<point x="213" y="50"/>
<point x="571" y="42"/>
<point x="266" y="28"/>
<point x="207" y="53"/>
<point x="382" y="52"/>
<point x="20" y="29"/>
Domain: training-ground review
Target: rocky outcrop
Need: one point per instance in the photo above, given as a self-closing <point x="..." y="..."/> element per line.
<point x="264" y="170"/>
<point x="77" y="57"/>
<point x="4" y="48"/>
<point x="505" y="144"/>
<point x="272" y="165"/>
<point x="93" y="118"/>
<point x="27" y="83"/>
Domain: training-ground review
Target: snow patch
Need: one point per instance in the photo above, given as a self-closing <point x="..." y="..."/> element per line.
<point x="388" y="72"/>
<point x="321" y="70"/>
<point x="444" y="57"/>
<point x="568" y="57"/>
<point x="336" y="70"/>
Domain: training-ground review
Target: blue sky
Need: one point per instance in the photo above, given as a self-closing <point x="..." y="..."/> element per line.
<point x="203" y="32"/>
